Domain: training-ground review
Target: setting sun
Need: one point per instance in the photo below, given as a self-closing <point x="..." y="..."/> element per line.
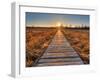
<point x="58" y="24"/>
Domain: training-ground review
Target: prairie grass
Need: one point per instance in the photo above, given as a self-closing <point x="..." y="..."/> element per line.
<point x="37" y="40"/>
<point x="79" y="40"/>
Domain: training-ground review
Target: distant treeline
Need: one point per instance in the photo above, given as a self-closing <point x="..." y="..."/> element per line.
<point x="77" y="28"/>
<point x="32" y="27"/>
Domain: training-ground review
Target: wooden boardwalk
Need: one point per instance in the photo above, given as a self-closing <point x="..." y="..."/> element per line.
<point x="59" y="52"/>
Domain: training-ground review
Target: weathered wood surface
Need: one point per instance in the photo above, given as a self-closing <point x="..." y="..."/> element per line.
<point x="59" y="52"/>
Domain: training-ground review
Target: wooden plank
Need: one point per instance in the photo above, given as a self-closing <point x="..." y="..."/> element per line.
<point x="59" y="60"/>
<point x="60" y="64"/>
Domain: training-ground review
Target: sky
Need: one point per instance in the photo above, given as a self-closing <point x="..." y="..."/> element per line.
<point x="51" y="19"/>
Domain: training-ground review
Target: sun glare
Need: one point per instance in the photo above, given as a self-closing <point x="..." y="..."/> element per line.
<point x="58" y="24"/>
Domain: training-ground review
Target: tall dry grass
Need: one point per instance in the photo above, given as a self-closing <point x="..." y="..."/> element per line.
<point x="37" y="40"/>
<point x="79" y="40"/>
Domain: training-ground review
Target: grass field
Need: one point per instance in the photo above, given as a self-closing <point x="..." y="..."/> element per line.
<point x="79" y="40"/>
<point x="37" y="40"/>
